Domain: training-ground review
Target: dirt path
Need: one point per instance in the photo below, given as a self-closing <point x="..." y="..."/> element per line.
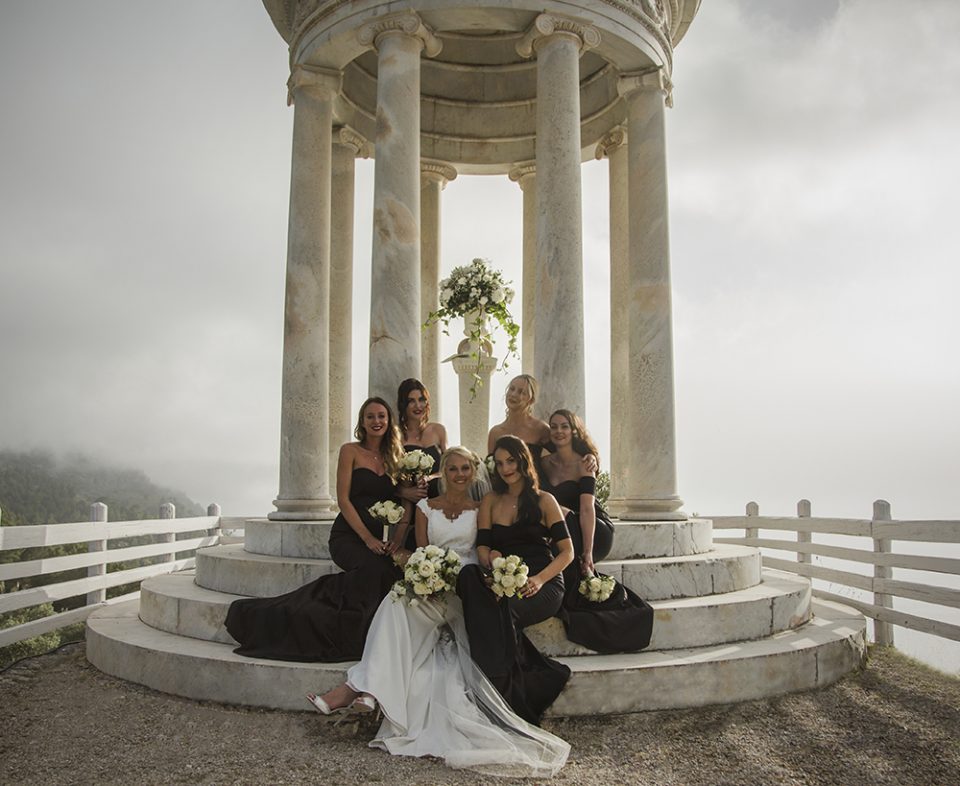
<point x="63" y="722"/>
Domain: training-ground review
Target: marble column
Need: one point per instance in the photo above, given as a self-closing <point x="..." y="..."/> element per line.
<point x="649" y="489"/>
<point x="613" y="148"/>
<point x="347" y="146"/>
<point x="399" y="40"/>
<point x="434" y="177"/>
<point x="304" y="438"/>
<point x="525" y="175"/>
<point x="558" y="360"/>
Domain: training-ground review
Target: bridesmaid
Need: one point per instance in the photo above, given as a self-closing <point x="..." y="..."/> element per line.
<point x="573" y="481"/>
<point x="327" y="619"/>
<point x="517" y="518"/>
<point x="520" y="397"/>
<point x="417" y="431"/>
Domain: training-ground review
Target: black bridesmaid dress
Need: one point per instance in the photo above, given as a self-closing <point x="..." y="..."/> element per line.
<point x="623" y="622"/>
<point x="527" y="680"/>
<point x="327" y="619"/>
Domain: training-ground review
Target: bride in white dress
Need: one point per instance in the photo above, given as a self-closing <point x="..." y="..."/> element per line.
<point x="416" y="663"/>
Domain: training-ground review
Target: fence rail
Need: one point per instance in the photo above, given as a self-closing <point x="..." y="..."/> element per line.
<point x="97" y="534"/>
<point x="882" y="532"/>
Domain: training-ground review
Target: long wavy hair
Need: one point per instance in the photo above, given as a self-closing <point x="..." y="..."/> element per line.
<point x="528" y="503"/>
<point x="532" y="385"/>
<point x="449" y="453"/>
<point x="391" y="447"/>
<point x="581" y="441"/>
<point x="407" y="387"/>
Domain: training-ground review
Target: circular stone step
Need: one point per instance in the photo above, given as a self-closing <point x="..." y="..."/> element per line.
<point x="632" y="539"/>
<point x="814" y="655"/>
<point x="175" y="604"/>
<point x="726" y="568"/>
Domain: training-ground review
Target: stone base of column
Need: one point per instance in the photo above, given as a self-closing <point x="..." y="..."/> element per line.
<point x="646" y="509"/>
<point x="303" y="510"/>
<point x="475" y="411"/>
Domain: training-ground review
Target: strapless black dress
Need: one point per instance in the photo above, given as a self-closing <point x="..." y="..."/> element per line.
<point x="623" y="622"/>
<point x="327" y="619"/>
<point x="527" y="680"/>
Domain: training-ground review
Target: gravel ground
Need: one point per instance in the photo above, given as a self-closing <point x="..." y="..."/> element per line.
<point x="62" y="721"/>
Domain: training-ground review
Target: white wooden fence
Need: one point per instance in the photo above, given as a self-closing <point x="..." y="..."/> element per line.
<point x="882" y="533"/>
<point x="97" y="534"/>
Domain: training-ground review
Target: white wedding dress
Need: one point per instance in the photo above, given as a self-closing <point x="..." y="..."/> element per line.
<point x="435" y="700"/>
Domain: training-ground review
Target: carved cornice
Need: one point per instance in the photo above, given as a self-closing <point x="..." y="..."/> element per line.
<point x="610" y="142"/>
<point x="403" y="23"/>
<point x="325" y="81"/>
<point x="437" y="172"/>
<point x="344" y="135"/>
<point x="547" y="25"/>
<point x="654" y="80"/>
<point x="654" y="18"/>
<point x="522" y="173"/>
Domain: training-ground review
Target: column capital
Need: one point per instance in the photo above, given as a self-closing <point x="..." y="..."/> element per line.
<point x="547" y="25"/>
<point x="646" y="81"/>
<point x="344" y="135"/>
<point x="611" y="141"/>
<point x="437" y="172"/>
<point x="403" y="23"/>
<point x="523" y="174"/>
<point x="325" y="82"/>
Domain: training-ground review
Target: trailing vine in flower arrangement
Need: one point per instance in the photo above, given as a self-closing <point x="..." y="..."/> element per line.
<point x="476" y="291"/>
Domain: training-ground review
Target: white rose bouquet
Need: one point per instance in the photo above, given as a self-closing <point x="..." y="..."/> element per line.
<point x="429" y="572"/>
<point x="509" y="575"/>
<point x="387" y="513"/>
<point x="414" y="466"/>
<point x="597" y="589"/>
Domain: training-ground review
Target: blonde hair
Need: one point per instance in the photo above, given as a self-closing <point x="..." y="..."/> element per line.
<point x="449" y="453"/>
<point x="532" y="385"/>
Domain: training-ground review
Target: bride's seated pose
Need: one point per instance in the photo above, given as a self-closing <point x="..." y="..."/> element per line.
<point x="416" y="663"/>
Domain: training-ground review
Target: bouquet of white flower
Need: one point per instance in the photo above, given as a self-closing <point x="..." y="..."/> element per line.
<point x="415" y="465"/>
<point x="597" y="589"/>
<point x="509" y="575"/>
<point x="388" y="513"/>
<point x="430" y="571"/>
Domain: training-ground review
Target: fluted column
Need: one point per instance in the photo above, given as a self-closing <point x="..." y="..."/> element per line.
<point x="613" y="148"/>
<point x="395" y="281"/>
<point x="525" y="176"/>
<point x="650" y="480"/>
<point x="347" y="145"/>
<point x="434" y="177"/>
<point x="304" y="491"/>
<point x="558" y="356"/>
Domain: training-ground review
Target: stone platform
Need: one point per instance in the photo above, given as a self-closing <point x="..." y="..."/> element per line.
<point x="724" y="630"/>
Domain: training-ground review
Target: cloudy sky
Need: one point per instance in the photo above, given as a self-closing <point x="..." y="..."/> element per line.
<point x="813" y="164"/>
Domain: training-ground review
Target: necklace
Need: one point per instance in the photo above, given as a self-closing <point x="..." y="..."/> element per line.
<point x="375" y="453"/>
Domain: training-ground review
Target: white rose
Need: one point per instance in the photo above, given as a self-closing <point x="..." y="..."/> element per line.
<point x="508" y="581"/>
<point x="426" y="462"/>
<point x="498" y="563"/>
<point x="414" y="602"/>
<point x="483" y="300"/>
<point x="595" y="584"/>
<point x="452" y="557"/>
<point x="394" y="516"/>
<point x="420" y="588"/>
<point x="445" y="296"/>
<point x="513" y="561"/>
<point x="426" y="569"/>
<point x="497" y="295"/>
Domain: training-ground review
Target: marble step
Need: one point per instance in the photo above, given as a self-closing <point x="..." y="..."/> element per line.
<point x="632" y="539"/>
<point x="726" y="568"/>
<point x="811" y="656"/>
<point x="175" y="604"/>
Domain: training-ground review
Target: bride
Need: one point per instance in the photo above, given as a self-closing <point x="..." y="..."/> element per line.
<point x="416" y="663"/>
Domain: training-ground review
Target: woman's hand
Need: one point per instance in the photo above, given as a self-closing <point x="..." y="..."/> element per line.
<point x="590" y="464"/>
<point x="532" y="587"/>
<point x="411" y="493"/>
<point x="376" y="546"/>
<point x="587" y="568"/>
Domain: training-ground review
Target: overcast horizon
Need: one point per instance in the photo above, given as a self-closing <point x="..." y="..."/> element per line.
<point x="812" y="164"/>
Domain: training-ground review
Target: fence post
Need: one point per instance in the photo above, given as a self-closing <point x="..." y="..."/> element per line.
<point x="98" y="515"/>
<point x="803" y="512"/>
<point x="753" y="509"/>
<point x="882" y="631"/>
<point x="213" y="509"/>
<point x="168" y="511"/>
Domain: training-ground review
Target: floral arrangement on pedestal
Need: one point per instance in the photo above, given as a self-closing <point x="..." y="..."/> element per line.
<point x="476" y="292"/>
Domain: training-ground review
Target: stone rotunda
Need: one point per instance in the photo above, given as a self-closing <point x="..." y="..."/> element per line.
<point x="435" y="90"/>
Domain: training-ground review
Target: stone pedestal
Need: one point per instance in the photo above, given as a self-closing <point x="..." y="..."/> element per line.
<point x="474" y="364"/>
<point x="304" y="491"/>
<point x="395" y="282"/>
<point x="649" y="489"/>
<point x="558" y="360"/>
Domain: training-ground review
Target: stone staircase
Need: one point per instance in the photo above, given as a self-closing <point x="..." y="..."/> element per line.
<point x="724" y="629"/>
